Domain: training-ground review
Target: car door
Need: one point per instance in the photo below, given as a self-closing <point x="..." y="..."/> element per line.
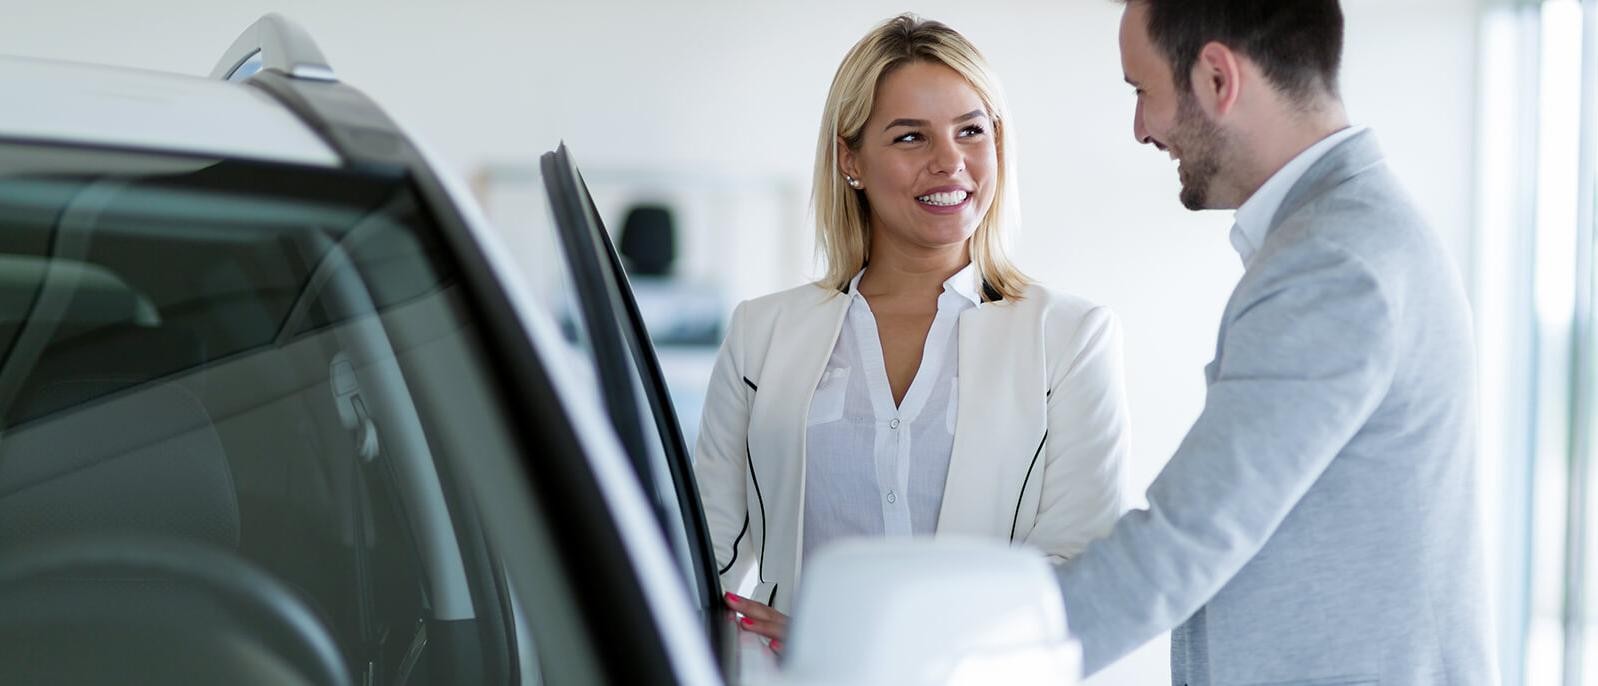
<point x="634" y="391"/>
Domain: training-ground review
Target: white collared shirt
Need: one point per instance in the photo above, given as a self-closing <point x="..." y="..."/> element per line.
<point x="1253" y="219"/>
<point x="873" y="469"/>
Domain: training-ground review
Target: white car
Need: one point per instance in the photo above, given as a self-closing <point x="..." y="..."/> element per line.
<point x="276" y="407"/>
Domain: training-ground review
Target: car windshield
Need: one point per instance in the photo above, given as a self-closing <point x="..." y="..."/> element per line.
<point x="269" y="369"/>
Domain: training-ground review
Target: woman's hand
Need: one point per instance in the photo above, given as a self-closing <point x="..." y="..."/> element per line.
<point x="760" y="618"/>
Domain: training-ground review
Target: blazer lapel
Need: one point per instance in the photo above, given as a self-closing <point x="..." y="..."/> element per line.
<point x="1000" y="420"/>
<point x="797" y="355"/>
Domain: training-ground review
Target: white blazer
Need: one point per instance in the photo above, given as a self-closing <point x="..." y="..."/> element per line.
<point x="1039" y="441"/>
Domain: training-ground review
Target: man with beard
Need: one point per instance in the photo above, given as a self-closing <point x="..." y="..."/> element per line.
<point x="1318" y="523"/>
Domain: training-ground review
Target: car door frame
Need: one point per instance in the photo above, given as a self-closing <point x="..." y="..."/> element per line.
<point x="596" y="267"/>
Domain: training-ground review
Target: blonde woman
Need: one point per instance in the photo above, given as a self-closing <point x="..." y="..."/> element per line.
<point x="924" y="385"/>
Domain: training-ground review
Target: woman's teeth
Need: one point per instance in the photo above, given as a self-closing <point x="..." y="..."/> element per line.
<point x="949" y="199"/>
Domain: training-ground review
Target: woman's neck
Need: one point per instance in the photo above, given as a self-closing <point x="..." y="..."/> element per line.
<point x="898" y="270"/>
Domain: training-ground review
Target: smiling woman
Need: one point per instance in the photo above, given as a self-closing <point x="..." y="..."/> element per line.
<point x="911" y="166"/>
<point x="924" y="385"/>
<point x="926" y="75"/>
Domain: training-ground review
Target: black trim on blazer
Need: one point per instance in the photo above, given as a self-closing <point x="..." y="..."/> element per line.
<point x="772" y="601"/>
<point x="735" y="543"/>
<point x="764" y="533"/>
<point x="758" y="498"/>
<point x="1022" y="494"/>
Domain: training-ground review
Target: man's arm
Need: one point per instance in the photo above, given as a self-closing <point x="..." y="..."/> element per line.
<point x="1308" y="356"/>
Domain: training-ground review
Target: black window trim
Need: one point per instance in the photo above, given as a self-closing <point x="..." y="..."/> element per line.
<point x="678" y="457"/>
<point x="598" y="300"/>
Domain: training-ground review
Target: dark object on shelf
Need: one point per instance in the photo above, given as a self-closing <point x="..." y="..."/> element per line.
<point x="649" y="240"/>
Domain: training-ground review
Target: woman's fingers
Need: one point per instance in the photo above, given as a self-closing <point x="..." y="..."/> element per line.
<point x="754" y="609"/>
<point x="759" y="618"/>
<point x="775" y="630"/>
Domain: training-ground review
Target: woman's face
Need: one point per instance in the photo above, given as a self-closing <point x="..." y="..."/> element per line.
<point x="927" y="160"/>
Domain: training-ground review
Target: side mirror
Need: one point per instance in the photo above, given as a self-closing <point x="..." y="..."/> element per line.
<point x="930" y="611"/>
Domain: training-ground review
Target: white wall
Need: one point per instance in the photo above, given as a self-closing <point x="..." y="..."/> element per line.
<point x="734" y="87"/>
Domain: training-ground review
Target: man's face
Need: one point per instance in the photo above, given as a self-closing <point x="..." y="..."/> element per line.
<point x="1167" y="119"/>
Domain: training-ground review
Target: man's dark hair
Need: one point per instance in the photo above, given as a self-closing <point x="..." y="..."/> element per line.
<point x="1298" y="43"/>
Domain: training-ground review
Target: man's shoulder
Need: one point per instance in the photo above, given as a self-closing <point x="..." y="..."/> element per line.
<point x="1363" y="237"/>
<point x="1367" y="220"/>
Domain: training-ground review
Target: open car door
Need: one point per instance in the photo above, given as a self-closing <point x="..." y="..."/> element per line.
<point x="634" y="390"/>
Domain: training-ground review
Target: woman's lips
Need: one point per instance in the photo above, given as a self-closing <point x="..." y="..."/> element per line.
<point x="945" y="202"/>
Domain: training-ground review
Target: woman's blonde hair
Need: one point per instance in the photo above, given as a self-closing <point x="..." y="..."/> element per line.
<point x="843" y="216"/>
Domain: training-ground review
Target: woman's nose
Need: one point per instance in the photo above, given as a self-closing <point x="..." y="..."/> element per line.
<point x="947" y="159"/>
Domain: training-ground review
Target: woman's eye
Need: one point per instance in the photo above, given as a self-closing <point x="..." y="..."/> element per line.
<point x="972" y="130"/>
<point x="908" y="138"/>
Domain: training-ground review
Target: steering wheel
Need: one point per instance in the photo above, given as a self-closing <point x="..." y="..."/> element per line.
<point x="155" y="610"/>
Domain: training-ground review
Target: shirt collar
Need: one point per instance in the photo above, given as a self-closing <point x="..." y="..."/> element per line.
<point x="854" y="284"/>
<point x="1254" y="216"/>
<point x="965" y="283"/>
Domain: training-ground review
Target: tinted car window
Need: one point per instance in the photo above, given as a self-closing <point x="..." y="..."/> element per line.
<point x="236" y="371"/>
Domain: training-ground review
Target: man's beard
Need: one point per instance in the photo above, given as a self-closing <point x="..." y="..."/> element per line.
<point x="1200" y="142"/>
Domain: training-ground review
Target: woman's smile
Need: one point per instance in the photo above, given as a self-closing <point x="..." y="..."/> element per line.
<point x="945" y="200"/>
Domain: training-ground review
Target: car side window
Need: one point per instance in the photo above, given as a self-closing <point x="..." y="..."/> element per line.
<point x="223" y="375"/>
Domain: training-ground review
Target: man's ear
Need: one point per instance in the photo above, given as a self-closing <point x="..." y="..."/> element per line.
<point x="1217" y="79"/>
<point x="848" y="165"/>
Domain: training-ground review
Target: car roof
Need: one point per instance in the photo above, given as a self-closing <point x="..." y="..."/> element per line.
<point x="73" y="103"/>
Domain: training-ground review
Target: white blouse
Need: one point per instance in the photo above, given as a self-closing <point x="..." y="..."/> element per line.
<point x="873" y="469"/>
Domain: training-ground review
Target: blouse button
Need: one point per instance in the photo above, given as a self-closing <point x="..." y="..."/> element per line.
<point x="892" y="498"/>
<point x="894" y="423"/>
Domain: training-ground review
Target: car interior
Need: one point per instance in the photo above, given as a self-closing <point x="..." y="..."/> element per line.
<point x="229" y="395"/>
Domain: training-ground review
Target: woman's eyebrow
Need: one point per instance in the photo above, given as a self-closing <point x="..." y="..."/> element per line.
<point x="906" y="122"/>
<point x="973" y="114"/>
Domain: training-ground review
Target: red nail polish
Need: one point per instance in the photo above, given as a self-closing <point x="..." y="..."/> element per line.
<point x="747" y="621"/>
<point x="733" y="599"/>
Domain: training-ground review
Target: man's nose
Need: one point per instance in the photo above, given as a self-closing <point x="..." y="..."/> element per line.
<point x="1138" y="130"/>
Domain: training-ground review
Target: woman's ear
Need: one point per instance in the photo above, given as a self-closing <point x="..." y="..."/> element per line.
<point x="848" y="164"/>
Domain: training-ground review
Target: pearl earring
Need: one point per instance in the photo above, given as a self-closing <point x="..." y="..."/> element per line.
<point x="853" y="182"/>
